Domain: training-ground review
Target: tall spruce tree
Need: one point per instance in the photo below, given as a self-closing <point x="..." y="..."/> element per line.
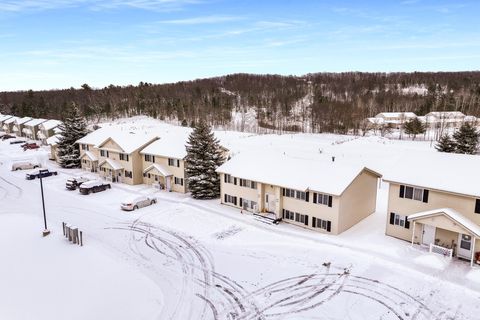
<point x="414" y="127"/>
<point x="73" y="128"/>
<point x="446" y="144"/>
<point x="466" y="139"/>
<point x="204" y="156"/>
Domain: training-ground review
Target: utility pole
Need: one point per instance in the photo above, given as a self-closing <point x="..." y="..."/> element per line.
<point x="46" y="232"/>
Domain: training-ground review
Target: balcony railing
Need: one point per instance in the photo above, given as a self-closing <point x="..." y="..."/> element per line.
<point x="441" y="250"/>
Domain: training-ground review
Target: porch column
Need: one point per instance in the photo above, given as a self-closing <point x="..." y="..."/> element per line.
<point x="473" y="252"/>
<point x="413" y="233"/>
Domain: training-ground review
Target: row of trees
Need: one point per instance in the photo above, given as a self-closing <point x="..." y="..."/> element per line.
<point x="465" y="140"/>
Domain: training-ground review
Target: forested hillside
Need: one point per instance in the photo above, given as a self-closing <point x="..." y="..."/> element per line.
<point x="321" y="102"/>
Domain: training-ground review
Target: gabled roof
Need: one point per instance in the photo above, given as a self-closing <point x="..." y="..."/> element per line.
<point x="4" y="117"/>
<point x="453" y="215"/>
<point x="164" y="171"/>
<point x="35" y="122"/>
<point x="53" y="140"/>
<point x="445" y="114"/>
<point x="11" y="120"/>
<point x="171" y="146"/>
<point x="447" y="172"/>
<point x="300" y="174"/>
<point x="22" y="120"/>
<point x="90" y="155"/>
<point x="50" y="124"/>
<point x="129" y="141"/>
<point x="115" y="165"/>
<point x="397" y="114"/>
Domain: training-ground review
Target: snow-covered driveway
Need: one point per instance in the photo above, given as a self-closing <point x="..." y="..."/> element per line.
<point x="206" y="261"/>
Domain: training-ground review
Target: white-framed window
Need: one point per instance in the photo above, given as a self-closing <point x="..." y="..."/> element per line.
<point x="302" y="218"/>
<point x="123" y="156"/>
<point x="178" y="181"/>
<point x="149" y="158"/>
<point x="228" y="178"/>
<point x="323" y="199"/>
<point x="321" y="224"/>
<point x="414" y="193"/>
<point x="249" y="204"/>
<point x="289" y="215"/>
<point x="301" y="195"/>
<point x="248" y="183"/>
<point x="173" y="162"/>
<point x="128" y="174"/>
<point x="230" y="199"/>
<point x="399" y="220"/>
<point x="85" y="147"/>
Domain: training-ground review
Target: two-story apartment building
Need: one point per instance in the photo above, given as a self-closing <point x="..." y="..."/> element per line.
<point x="47" y="129"/>
<point x="119" y="157"/>
<point x="323" y="195"/>
<point x="163" y="163"/>
<point x="435" y="202"/>
<point x="18" y="126"/>
<point x="3" y="118"/>
<point x="8" y="124"/>
<point x="31" y="128"/>
<point x="395" y="119"/>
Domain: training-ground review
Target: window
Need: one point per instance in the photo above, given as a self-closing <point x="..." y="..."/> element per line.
<point x="301" y="195"/>
<point x="477" y="206"/>
<point x="414" y="193"/>
<point x="322" y="224"/>
<point x="124" y="156"/>
<point x="173" y="162"/>
<point x="227" y="178"/>
<point x="324" y="199"/>
<point x="248" y="183"/>
<point x="128" y="174"/>
<point x="230" y="199"/>
<point x="302" y="218"/>
<point x="248" y="204"/>
<point x="178" y="181"/>
<point x="85" y="147"/>
<point x="399" y="220"/>
<point x="102" y="153"/>
<point x="287" y="214"/>
<point x="149" y="158"/>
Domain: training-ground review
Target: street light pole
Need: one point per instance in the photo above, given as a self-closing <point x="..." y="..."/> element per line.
<point x="46" y="232"/>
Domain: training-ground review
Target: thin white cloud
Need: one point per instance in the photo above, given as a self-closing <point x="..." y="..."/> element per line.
<point x="202" y="20"/>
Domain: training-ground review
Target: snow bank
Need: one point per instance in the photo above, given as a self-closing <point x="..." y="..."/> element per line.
<point x="433" y="261"/>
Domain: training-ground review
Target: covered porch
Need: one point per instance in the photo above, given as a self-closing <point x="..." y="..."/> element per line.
<point x="446" y="232"/>
<point x="111" y="170"/>
<point x="89" y="161"/>
<point x="158" y="176"/>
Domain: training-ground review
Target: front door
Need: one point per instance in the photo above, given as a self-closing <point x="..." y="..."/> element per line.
<point x="270" y="202"/>
<point x="464" y="246"/>
<point x="428" y="234"/>
<point x="168" y="183"/>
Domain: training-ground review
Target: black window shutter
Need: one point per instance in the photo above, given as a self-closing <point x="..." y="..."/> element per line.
<point x="225" y="178"/>
<point x="181" y="180"/>
<point x="314" y="197"/>
<point x="178" y="163"/>
<point x="283" y="191"/>
<point x="330" y="201"/>
<point x="425" y="195"/>
<point x="314" y="222"/>
<point x="306" y="220"/>
<point x="307" y="196"/>
<point x="235" y="181"/>
<point x="297" y="217"/>
<point x="402" y="191"/>
<point x="392" y="217"/>
<point x="225" y="198"/>
<point x="235" y="200"/>
<point x="241" y="202"/>
<point x="283" y="213"/>
<point x="329" y="226"/>
<point x="477" y="206"/>
<point x="407" y="223"/>
<point x="153" y="158"/>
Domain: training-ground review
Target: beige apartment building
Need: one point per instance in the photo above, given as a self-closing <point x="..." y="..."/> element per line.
<point x="3" y="118"/>
<point x="48" y="129"/>
<point x="321" y="195"/>
<point x="435" y="203"/>
<point x="31" y="128"/>
<point x="8" y="124"/>
<point x="18" y="126"/>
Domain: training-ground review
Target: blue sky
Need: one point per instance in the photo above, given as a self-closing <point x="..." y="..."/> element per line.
<point x="62" y="43"/>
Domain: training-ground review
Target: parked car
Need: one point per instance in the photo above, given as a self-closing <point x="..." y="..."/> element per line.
<point x="40" y="173"/>
<point x="7" y="136"/>
<point x="136" y="202"/>
<point x="74" y="183"/>
<point x="24" y="165"/>
<point x="93" y="186"/>
<point x="17" y="141"/>
<point x="30" y="146"/>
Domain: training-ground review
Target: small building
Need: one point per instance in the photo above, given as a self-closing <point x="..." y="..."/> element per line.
<point x="322" y="195"/>
<point x="89" y="154"/>
<point x="31" y="128"/>
<point x="445" y="119"/>
<point x="8" y="124"/>
<point x="395" y="119"/>
<point x="3" y="118"/>
<point x="53" y="143"/>
<point x="19" y="125"/>
<point x="435" y="202"/>
<point x="47" y="130"/>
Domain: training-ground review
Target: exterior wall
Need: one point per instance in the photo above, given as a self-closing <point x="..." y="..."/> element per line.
<point x="358" y="201"/>
<point x="178" y="172"/>
<point x="89" y="164"/>
<point x="240" y="192"/>
<point x="436" y="200"/>
<point x="127" y="165"/>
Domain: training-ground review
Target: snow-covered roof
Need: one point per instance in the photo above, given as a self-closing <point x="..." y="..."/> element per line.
<point x="445" y="114"/>
<point x="164" y="171"/>
<point x="35" y="122"/>
<point x="50" y="124"/>
<point x="22" y="120"/>
<point x="470" y="118"/>
<point x="11" y="120"/>
<point x="53" y="140"/>
<point x="172" y="146"/>
<point x="129" y="141"/>
<point x="376" y="120"/>
<point x="322" y="175"/>
<point x="90" y="155"/>
<point x="455" y="173"/>
<point x="396" y="114"/>
<point x="27" y="131"/>
<point x="115" y="165"/>
<point x="452" y="214"/>
<point x="4" y="117"/>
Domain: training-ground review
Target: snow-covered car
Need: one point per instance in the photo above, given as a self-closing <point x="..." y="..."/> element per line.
<point x="136" y="202"/>
<point x="28" y="146"/>
<point x="74" y="183"/>
<point x="40" y="173"/>
<point x="7" y="136"/>
<point x="24" y="165"/>
<point x="93" y="186"/>
<point x="17" y="141"/>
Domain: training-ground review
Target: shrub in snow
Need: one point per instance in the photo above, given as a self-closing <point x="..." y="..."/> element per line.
<point x="73" y="128"/>
<point x="414" y="127"/>
<point x="446" y="144"/>
<point x="466" y="139"/>
<point x="204" y="156"/>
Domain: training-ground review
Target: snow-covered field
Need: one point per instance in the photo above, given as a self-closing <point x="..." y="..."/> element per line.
<point x="188" y="259"/>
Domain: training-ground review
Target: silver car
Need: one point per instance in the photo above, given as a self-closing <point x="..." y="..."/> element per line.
<point x="25" y="165"/>
<point x="137" y="202"/>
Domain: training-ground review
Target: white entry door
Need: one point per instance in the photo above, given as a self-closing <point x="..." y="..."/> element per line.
<point x="168" y="183"/>
<point x="270" y="202"/>
<point x="428" y="234"/>
<point x="464" y="246"/>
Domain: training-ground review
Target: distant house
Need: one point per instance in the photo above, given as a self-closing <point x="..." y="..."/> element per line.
<point x="19" y="125"/>
<point x="31" y="128"/>
<point x="435" y="202"/>
<point x="321" y="195"/>
<point x="444" y="119"/>
<point x="8" y="124"/>
<point x="395" y="119"/>
<point x="3" y="118"/>
<point x="47" y="130"/>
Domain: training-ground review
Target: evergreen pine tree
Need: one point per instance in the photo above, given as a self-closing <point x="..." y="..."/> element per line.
<point x="204" y="156"/>
<point x="414" y="127"/>
<point x="73" y="128"/>
<point x="466" y="139"/>
<point x="446" y="144"/>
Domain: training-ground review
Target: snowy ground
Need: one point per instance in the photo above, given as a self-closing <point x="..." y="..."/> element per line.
<point x="187" y="259"/>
